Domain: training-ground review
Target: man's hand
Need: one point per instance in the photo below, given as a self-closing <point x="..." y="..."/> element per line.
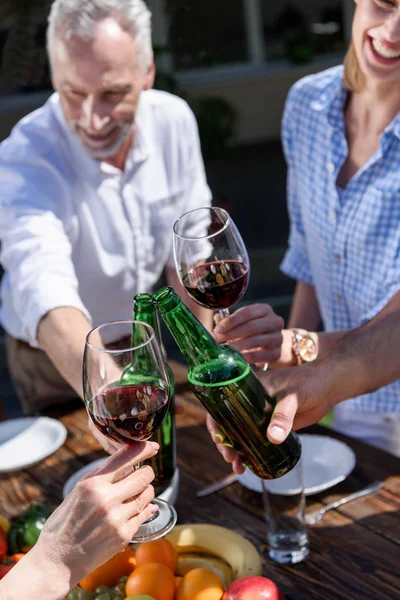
<point x="303" y="396"/>
<point x="228" y="453"/>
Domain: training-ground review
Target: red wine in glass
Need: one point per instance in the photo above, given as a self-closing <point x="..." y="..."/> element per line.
<point x="211" y="258"/>
<point x="130" y="413"/>
<point x="127" y="393"/>
<point x="217" y="285"/>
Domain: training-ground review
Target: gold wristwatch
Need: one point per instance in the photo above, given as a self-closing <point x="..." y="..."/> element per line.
<point x="304" y="346"/>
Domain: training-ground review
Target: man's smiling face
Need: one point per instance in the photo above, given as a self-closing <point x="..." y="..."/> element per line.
<point x="99" y="82"/>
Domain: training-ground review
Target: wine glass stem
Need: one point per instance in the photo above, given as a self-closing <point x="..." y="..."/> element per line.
<point x="224" y="312"/>
<point x="135" y="468"/>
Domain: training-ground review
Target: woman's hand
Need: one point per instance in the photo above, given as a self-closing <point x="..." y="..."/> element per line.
<point x="256" y="331"/>
<point x="109" y="445"/>
<point x="96" y="520"/>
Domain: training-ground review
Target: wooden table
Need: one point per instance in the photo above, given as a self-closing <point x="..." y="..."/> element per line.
<point x="354" y="551"/>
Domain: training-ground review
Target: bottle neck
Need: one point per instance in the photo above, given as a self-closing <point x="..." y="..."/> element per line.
<point x="194" y="341"/>
<point x="144" y="310"/>
<point x="149" y="316"/>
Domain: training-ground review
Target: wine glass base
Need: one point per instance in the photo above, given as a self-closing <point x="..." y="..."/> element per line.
<point x="157" y="526"/>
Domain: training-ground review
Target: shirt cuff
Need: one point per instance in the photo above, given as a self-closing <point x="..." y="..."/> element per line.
<point x="296" y="266"/>
<point x="36" y="308"/>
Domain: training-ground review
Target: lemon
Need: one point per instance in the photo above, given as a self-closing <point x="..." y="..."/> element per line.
<point x="5" y="524"/>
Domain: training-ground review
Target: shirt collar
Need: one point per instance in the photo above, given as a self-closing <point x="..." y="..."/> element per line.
<point x="394" y="126"/>
<point x="331" y="100"/>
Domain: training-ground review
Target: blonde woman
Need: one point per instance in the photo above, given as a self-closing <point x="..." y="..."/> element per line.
<point x="341" y="137"/>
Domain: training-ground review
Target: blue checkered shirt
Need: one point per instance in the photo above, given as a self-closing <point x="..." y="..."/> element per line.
<point x="344" y="242"/>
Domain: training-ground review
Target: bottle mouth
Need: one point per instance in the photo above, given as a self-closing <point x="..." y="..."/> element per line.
<point x="144" y="297"/>
<point x="162" y="294"/>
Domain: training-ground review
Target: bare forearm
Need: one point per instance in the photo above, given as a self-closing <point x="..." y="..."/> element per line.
<point x="305" y="310"/>
<point x="33" y="577"/>
<point x="62" y="333"/>
<point x="368" y="357"/>
<point x="327" y="340"/>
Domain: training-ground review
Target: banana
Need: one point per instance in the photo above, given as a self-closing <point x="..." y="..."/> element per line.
<point x="188" y="561"/>
<point x="233" y="548"/>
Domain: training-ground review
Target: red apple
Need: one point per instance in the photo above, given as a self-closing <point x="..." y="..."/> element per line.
<point x="253" y="588"/>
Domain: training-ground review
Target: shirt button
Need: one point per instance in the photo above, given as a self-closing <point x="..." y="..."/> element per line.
<point x="331" y="167"/>
<point x="337" y="257"/>
<point x="338" y="298"/>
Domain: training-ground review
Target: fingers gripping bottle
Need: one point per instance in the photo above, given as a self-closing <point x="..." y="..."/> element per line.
<point x="224" y="383"/>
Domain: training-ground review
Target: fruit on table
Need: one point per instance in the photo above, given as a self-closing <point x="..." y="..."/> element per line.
<point x="239" y="553"/>
<point x="193" y="560"/>
<point x="3" y="544"/>
<point x="160" y="551"/>
<point x="253" y="588"/>
<point x="102" y="592"/>
<point x="140" y="597"/>
<point x="178" y="581"/>
<point x="111" y="571"/>
<point x="5" y="524"/>
<point x="200" y="584"/>
<point x="25" y="529"/>
<point x="152" y="579"/>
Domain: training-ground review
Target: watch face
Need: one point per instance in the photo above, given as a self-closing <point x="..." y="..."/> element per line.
<point x="307" y="348"/>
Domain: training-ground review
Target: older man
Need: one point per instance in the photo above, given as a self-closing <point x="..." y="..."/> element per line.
<point x="92" y="183"/>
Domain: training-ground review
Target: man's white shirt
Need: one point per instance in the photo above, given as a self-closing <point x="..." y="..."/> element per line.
<point x="78" y="232"/>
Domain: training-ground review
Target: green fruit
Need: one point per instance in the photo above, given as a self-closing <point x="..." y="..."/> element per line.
<point x="118" y="591"/>
<point x="140" y="597"/>
<point x="84" y="595"/>
<point x="102" y="589"/>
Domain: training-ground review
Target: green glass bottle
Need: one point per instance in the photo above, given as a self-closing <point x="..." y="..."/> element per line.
<point x="227" y="387"/>
<point x="164" y="463"/>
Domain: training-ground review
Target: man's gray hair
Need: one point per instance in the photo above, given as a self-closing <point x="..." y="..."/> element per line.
<point x="79" y="18"/>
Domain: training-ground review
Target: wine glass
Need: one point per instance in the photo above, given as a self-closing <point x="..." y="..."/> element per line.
<point x="211" y="258"/>
<point x="127" y="395"/>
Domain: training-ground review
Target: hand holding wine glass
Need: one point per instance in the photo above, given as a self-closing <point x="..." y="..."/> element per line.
<point x="126" y="392"/>
<point x="211" y="258"/>
<point x="257" y="332"/>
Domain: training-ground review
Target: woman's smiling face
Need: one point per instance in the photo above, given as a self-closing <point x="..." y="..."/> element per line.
<point x="376" y="38"/>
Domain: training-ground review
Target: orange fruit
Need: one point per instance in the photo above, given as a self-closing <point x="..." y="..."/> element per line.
<point x="178" y="581"/>
<point x="154" y="579"/>
<point x="111" y="571"/>
<point x="160" y="551"/>
<point x="200" y="584"/>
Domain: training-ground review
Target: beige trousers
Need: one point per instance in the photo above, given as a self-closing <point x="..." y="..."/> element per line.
<point x="37" y="382"/>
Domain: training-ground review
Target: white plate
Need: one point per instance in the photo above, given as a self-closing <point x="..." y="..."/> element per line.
<point x="25" y="442"/>
<point x="169" y="495"/>
<point x="326" y="462"/>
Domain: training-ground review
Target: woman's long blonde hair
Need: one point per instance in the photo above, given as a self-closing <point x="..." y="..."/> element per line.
<point x="354" y="78"/>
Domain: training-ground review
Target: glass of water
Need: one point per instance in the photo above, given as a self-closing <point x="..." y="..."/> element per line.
<point x="284" y="504"/>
